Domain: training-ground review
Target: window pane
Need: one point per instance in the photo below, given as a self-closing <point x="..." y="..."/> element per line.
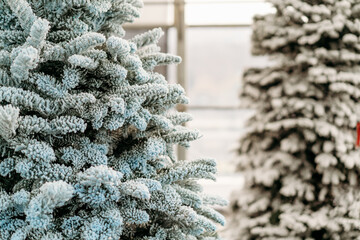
<point x="221" y="130"/>
<point x="224" y="12"/>
<point x="224" y="186"/>
<point x="216" y="58"/>
<point x="155" y="12"/>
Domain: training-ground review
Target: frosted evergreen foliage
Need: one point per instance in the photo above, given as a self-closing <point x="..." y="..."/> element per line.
<point x="298" y="154"/>
<point x="87" y="129"/>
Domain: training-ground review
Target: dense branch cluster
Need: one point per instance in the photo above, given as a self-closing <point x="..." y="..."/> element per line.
<point x="87" y="131"/>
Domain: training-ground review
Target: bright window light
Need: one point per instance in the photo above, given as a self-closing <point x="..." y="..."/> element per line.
<point x="155" y="12"/>
<point x="203" y="12"/>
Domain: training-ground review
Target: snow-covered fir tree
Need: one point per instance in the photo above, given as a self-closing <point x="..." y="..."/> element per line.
<point x="87" y="129"/>
<point x="298" y="154"/>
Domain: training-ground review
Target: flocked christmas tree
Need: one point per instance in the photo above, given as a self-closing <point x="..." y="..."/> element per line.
<point x="87" y="129"/>
<point x="298" y="155"/>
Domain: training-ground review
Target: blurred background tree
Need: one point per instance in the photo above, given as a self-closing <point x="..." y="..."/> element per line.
<point x="298" y="155"/>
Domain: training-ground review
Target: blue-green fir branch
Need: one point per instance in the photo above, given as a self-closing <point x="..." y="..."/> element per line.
<point x="83" y="62"/>
<point x="114" y="73"/>
<point x="151" y="37"/>
<point x="157" y="78"/>
<point x="115" y="28"/>
<point x="39" y="151"/>
<point x="7" y="166"/>
<point x="140" y="119"/>
<point x="70" y="225"/>
<point x="107" y="225"/>
<point x="161" y="103"/>
<point x="96" y="154"/>
<point x="87" y="153"/>
<point x="118" y="47"/>
<point x="101" y="180"/>
<point x="135" y="189"/>
<point x="214" y="200"/>
<point x="11" y="38"/>
<point x="161" y="122"/>
<point x="63" y="35"/>
<point x="133" y="106"/>
<point x="75" y="46"/>
<point x="194" y="186"/>
<point x="6" y="79"/>
<point x="135" y="3"/>
<point x="188" y="197"/>
<point x="178" y="118"/>
<point x="182" y="135"/>
<point x="52" y="236"/>
<point x="76" y="102"/>
<point x="74" y="157"/>
<point x="211" y="214"/>
<point x="141" y="153"/>
<point x="194" y="222"/>
<point x="23" y="98"/>
<point x="8" y="18"/>
<point x="51" y="195"/>
<point x="204" y="168"/>
<point x="95" y="54"/>
<point x="12" y="206"/>
<point x="132" y="63"/>
<point x="151" y="184"/>
<point x="115" y="103"/>
<point x="38" y="33"/>
<point x="58" y="126"/>
<point x="9" y="121"/>
<point x="83" y="43"/>
<point x="5" y="59"/>
<point x="114" y="122"/>
<point x="148" y="50"/>
<point x="139" y="76"/>
<point x="26" y="59"/>
<point x="157" y="59"/>
<point x="71" y="78"/>
<point x="48" y="85"/>
<point x="166" y="200"/>
<point x="96" y="114"/>
<point x="43" y="171"/>
<point x="87" y="132"/>
<point x="133" y="215"/>
<point x="23" y="11"/>
<point x="126" y="11"/>
<point x="74" y="27"/>
<point x="150" y="92"/>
